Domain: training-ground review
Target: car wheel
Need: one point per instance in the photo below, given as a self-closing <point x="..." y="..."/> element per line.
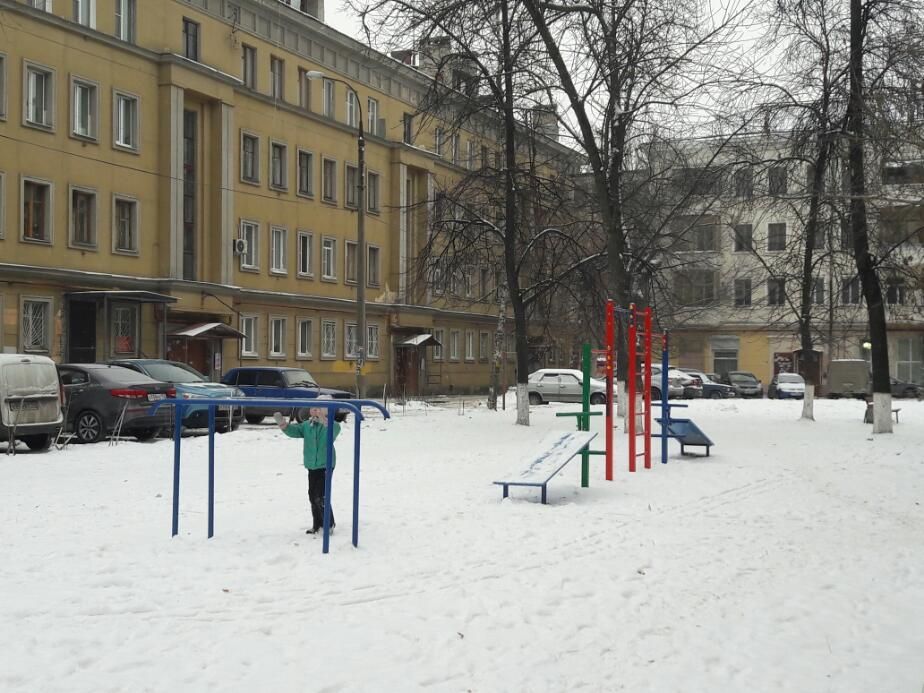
<point x="909" y="392"/>
<point x="716" y="394"/>
<point x="38" y="442"/>
<point x="598" y="398"/>
<point x="144" y="434"/>
<point x="655" y="393"/>
<point x="301" y="415"/>
<point x="89" y="427"/>
<point x="254" y="418"/>
<point x="535" y="398"/>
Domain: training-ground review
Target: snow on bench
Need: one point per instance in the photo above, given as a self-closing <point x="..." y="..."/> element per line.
<point x="552" y="454"/>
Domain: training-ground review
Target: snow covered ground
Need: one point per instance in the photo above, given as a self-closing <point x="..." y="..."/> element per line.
<point x="790" y="560"/>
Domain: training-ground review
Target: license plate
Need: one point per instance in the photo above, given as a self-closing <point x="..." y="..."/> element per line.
<point x="155" y="397"/>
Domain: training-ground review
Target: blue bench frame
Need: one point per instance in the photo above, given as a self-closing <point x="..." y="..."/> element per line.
<point x="686" y="433"/>
<point x="543" y="484"/>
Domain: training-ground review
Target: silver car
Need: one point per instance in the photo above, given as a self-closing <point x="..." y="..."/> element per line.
<point x="562" y="385"/>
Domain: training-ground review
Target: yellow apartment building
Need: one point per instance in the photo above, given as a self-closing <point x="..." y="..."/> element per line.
<point x="173" y="185"/>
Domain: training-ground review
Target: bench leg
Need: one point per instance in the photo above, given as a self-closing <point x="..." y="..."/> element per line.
<point x="506" y="489"/>
<point x="543" y="494"/>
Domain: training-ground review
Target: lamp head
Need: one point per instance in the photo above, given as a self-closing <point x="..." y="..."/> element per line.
<point x="314" y="74"/>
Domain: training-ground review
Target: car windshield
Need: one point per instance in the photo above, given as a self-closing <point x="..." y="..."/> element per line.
<point x="742" y="378"/>
<point x="173" y="372"/>
<point x="121" y="376"/>
<point x="792" y="378"/>
<point x="299" y="378"/>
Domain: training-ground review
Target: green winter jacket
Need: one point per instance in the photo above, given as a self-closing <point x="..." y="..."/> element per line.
<point x="314" y="449"/>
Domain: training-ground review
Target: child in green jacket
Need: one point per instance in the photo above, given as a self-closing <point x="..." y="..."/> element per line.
<point x="313" y="433"/>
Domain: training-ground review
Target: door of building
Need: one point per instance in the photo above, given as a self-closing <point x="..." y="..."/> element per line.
<point x="81" y="332"/>
<point x="193" y="352"/>
<point x="407" y="371"/>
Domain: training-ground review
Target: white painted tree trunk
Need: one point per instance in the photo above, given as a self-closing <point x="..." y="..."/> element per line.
<point x="522" y="405"/>
<point x="882" y="412"/>
<point x="621" y="394"/>
<point x="808" y="402"/>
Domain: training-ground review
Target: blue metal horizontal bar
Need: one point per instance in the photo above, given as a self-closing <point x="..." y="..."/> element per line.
<point x="354" y="405"/>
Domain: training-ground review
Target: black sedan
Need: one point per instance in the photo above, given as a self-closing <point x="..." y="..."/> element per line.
<point x="903" y="389"/>
<point x="712" y="389"/>
<point x="100" y="400"/>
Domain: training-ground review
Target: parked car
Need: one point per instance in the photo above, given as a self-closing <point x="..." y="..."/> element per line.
<point x="279" y="383"/>
<point x="848" y="378"/>
<point x="562" y="385"/>
<point x="712" y="388"/>
<point x="100" y="399"/>
<point x="903" y="389"/>
<point x="30" y="400"/>
<point x="745" y="384"/>
<point x="692" y="384"/>
<point x="675" y="381"/>
<point x="191" y="384"/>
<point x="786" y="386"/>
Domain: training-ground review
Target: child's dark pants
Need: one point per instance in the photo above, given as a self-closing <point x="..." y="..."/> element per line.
<point x="316" y="479"/>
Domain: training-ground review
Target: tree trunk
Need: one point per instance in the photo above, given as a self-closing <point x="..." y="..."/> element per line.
<point x="808" y="403"/>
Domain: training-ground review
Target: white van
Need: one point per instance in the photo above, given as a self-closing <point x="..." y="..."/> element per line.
<point x="30" y="400"/>
<point x="848" y="378"/>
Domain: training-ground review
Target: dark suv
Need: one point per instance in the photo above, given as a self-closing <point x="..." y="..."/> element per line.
<point x="271" y="382"/>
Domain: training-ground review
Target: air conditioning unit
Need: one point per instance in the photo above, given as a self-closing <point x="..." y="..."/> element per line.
<point x="240" y="246"/>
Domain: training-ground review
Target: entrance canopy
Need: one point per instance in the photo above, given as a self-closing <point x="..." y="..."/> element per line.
<point x="116" y="295"/>
<point x="208" y="330"/>
<point x="419" y="340"/>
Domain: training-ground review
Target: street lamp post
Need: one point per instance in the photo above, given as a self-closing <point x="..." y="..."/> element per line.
<point x="360" y="236"/>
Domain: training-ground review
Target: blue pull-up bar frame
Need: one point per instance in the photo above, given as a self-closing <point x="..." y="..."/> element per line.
<point x="353" y="405"/>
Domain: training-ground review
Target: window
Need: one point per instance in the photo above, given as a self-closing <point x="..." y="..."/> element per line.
<point x="744" y="238"/>
<point x="36" y="211"/>
<point x="305" y="337"/>
<point x="440" y="336"/>
<point x="126" y="121"/>
<point x="372" y="341"/>
<point x="249" y="66"/>
<point x="304" y="89"/>
<point x="190" y="39"/>
<point x="777" y="180"/>
<point x="124" y="329"/>
<point x="249" y="342"/>
<point x="328" y="180"/>
<point x="776" y="236"/>
<point x="250" y="158"/>
<point x="453" y="345"/>
<point x="818" y="292"/>
<point x="470" y="157"/>
<point x="372" y="110"/>
<point x="83" y="218"/>
<point x="484" y="282"/>
<point x="724" y="360"/>
<point x="278" y="250"/>
<point x="36" y="324"/>
<point x="352" y="186"/>
<point x="372" y="192"/>
<point x="85" y="12"/>
<point x="85" y="107"/>
<point x="909" y="355"/>
<point x="125" y="225"/>
<point x="484" y="346"/>
<point x="695" y="287"/>
<point x="352" y="110"/>
<point x="744" y="183"/>
<point x="125" y="20"/>
<point x="703" y="237"/>
<point x="305" y="173"/>
<point x="277" y="78"/>
<point x="250" y="234"/>
<point x="40" y="96"/>
<point x="456" y="148"/>
<point x="328" y="339"/>
<point x="469" y="345"/>
<point x="846" y="235"/>
<point x="350" y="347"/>
<point x="484" y="157"/>
<point x="350" y="269"/>
<point x="44" y="5"/>
<point x="305" y="259"/>
<point x="742" y="292"/>
<point x="277" y="345"/>
<point x="279" y="174"/>
<point x="895" y="292"/>
<point x="438" y="141"/>
<point x="2" y="86"/>
<point x="467" y="284"/>
<point x="328" y="258"/>
<point x="776" y="292"/>
<point x="373" y="272"/>
<point x="408" y="122"/>
<point x="327" y="88"/>
<point x="2" y="207"/>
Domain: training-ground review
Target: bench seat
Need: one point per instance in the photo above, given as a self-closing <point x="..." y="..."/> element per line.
<point x="549" y="457"/>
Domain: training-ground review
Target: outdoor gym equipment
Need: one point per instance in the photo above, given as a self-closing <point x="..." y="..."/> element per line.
<point x="353" y="405"/>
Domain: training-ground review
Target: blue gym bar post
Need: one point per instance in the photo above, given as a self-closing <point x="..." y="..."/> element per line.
<point x="212" y="470"/>
<point x="177" y="437"/>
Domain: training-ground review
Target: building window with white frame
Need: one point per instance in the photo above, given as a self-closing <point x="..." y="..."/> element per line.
<point x="85" y="105"/>
<point x="484" y="346"/>
<point x="83" y="218"/>
<point x="305" y="254"/>
<point x="372" y="341"/>
<point x="329" y="180"/>
<point x="352" y="186"/>
<point x="125" y="225"/>
<point x="373" y="267"/>
<point x="279" y="178"/>
<point x="125" y="330"/>
<point x="329" y="258"/>
<point x="776" y="292"/>
<point x="456" y="148"/>
<point x="40" y="96"/>
<point x="2" y="86"/>
<point x="2" y="204"/>
<point x="372" y="110"/>
<point x="250" y="158"/>
<point x="454" y="345"/>
<point x="44" y="5"/>
<point x="36" y="211"/>
<point x="470" y="158"/>
<point x="439" y="335"/>
<point x="328" y="339"/>
<point x="350" y="262"/>
<point x="851" y="292"/>
<point x="249" y="66"/>
<point x="125" y="20"/>
<point x="327" y="89"/>
<point x="305" y="173"/>
<point x="776" y="236"/>
<point x="277" y="337"/>
<point x="352" y="110"/>
<point x="85" y="12"/>
<point x="372" y="192"/>
<point x="190" y="39"/>
<point x="350" y="346"/>
<point x="36" y="324"/>
<point x="249" y="329"/>
<point x="278" y="250"/>
<point x="126" y="121"/>
<point x="277" y="78"/>
<point x="469" y="345"/>
<point x="250" y="234"/>
<point x="304" y="89"/>
<point x="438" y="141"/>
<point x="305" y="338"/>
